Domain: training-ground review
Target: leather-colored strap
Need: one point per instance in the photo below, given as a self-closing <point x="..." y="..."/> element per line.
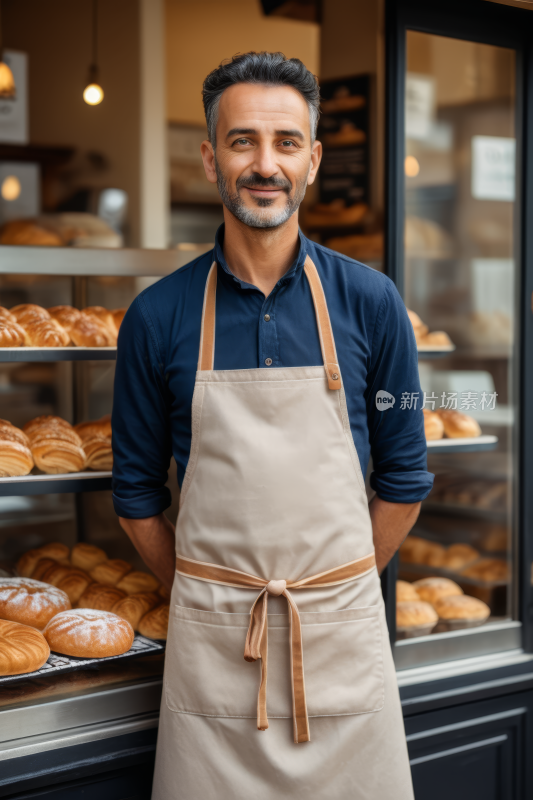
<point x="206" y="357"/>
<point x="325" y="331"/>
<point x="256" y="645"/>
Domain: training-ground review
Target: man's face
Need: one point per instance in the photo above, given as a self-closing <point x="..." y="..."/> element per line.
<point x="264" y="159"/>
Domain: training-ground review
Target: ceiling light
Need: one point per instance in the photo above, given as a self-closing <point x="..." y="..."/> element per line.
<point x="8" y="89"/>
<point x="11" y="188"/>
<point x="93" y="92"/>
<point x="412" y="167"/>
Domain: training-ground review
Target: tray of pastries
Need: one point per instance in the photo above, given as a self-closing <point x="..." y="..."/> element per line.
<point x="51" y="445"/>
<point x="31" y="327"/>
<point x="64" y="609"/>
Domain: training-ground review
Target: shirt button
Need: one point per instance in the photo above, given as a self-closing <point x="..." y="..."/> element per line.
<point x="267" y="317"/>
<point x="268" y="362"/>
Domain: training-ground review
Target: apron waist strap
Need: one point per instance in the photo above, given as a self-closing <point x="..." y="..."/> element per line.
<point x="257" y="637"/>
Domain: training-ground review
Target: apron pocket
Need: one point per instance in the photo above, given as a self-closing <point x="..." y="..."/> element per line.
<point x="206" y="673"/>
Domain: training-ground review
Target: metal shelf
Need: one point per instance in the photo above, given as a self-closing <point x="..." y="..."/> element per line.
<point x="55" y="484"/>
<point x="12" y="354"/>
<point x="434" y="352"/>
<point x="473" y="444"/>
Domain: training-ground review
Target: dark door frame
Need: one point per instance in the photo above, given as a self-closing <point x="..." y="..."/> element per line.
<point x="503" y="26"/>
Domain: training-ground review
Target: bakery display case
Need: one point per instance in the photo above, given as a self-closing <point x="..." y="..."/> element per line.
<point x="71" y="707"/>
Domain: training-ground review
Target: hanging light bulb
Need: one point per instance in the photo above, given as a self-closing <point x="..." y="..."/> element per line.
<point x="8" y="90"/>
<point x="93" y="92"/>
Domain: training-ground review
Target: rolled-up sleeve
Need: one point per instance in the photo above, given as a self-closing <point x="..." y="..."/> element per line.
<point x="140" y="421"/>
<point x="397" y="439"/>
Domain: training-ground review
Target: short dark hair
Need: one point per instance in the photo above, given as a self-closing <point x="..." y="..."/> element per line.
<point x="270" y="69"/>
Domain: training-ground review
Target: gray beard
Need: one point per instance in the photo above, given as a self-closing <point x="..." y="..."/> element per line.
<point x="260" y="217"/>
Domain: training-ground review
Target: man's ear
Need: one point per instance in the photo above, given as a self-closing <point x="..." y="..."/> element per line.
<point x="208" y="157"/>
<point x="316" y="158"/>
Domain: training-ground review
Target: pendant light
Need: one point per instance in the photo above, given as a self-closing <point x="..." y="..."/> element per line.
<point x="8" y="89"/>
<point x="93" y="92"/>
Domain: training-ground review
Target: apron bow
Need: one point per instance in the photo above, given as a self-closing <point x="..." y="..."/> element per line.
<point x="256" y="645"/>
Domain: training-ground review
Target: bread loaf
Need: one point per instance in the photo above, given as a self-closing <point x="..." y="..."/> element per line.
<point x="12" y="334"/>
<point x="154" y="624"/>
<point x="89" y="331"/>
<point x="89" y="633"/>
<point x="135" y="582"/>
<point x="110" y="572"/>
<point x="458" y="425"/>
<point x="87" y="556"/>
<point x="100" y="596"/>
<point x="30" y="602"/>
<point x="433" y="425"/>
<point x="415" y="614"/>
<point x="22" y="649"/>
<point x="432" y="589"/>
<point x="135" y="606"/>
<point x="461" y="607"/>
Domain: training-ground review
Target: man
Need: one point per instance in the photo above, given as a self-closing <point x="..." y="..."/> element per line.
<point x="257" y="366"/>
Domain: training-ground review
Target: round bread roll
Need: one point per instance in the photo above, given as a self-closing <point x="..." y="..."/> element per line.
<point x="154" y="624"/>
<point x="87" y="556"/>
<point x="416" y="550"/>
<point x="413" y="614"/>
<point x="134" y="582"/>
<point x="110" y="572"/>
<point x="135" y="606"/>
<point x="56" y="550"/>
<point x="406" y="592"/>
<point x="101" y="597"/>
<point x="461" y="607"/>
<point x="488" y="569"/>
<point x="22" y="649"/>
<point x="30" y="602"/>
<point x="432" y="589"/>
<point x="433" y="425"/>
<point x="43" y="565"/>
<point x="459" y="555"/>
<point x="458" y="425"/>
<point x="89" y="633"/>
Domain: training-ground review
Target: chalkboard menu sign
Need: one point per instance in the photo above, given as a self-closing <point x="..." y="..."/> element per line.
<point x="343" y="131"/>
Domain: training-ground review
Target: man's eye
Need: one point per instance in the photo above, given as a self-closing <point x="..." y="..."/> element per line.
<point x="241" y="141"/>
<point x="288" y="143"/>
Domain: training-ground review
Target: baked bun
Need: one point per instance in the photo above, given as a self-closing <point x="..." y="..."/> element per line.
<point x="55" y="573"/>
<point x="28" y="312"/>
<point x="46" y="333"/>
<point x="56" y="550"/>
<point x="89" y="633"/>
<point x="459" y="556"/>
<point x="433" y="425"/>
<point x="110" y="572"/>
<point x="488" y="569"/>
<point x="458" y="425"/>
<point x="65" y="315"/>
<point x="418" y="326"/>
<point x="100" y="596"/>
<point x="30" y="602"/>
<point x="98" y="427"/>
<point x="15" y="458"/>
<point x="406" y="592"/>
<point x="12" y="334"/>
<point x="91" y="332"/>
<point x="435" y="339"/>
<point x="432" y="589"/>
<point x="416" y="550"/>
<point x="27" y="232"/>
<point x="154" y="624"/>
<point x="70" y="580"/>
<point x="135" y="606"/>
<point x="462" y="607"/>
<point x="413" y="614"/>
<point x="49" y="424"/>
<point x="118" y="316"/>
<point x="43" y="565"/>
<point x="87" y="556"/>
<point x="55" y="456"/>
<point x="22" y="648"/>
<point x="102" y="315"/>
<point x="29" y="560"/>
<point x="98" y="454"/>
<point x="134" y="582"/>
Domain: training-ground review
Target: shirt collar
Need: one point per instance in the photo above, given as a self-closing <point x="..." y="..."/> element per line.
<point x="296" y="266"/>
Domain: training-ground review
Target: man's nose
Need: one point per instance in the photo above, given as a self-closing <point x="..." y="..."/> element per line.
<point x="265" y="162"/>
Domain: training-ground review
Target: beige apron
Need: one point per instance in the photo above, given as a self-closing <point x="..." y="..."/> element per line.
<point x="273" y="506"/>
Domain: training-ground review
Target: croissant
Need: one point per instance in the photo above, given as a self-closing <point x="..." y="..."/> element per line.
<point x="54" y="456"/>
<point x="98" y="453"/>
<point x="11" y="433"/>
<point x="103" y="315"/>
<point x="89" y="331"/>
<point x="11" y="334"/>
<point x="65" y="315"/>
<point x="118" y="316"/>
<point x="28" y="312"/>
<point x="5" y="314"/>
<point x="15" y="458"/>
<point x="47" y="333"/>
<point x="47" y="426"/>
<point x="97" y="427"/>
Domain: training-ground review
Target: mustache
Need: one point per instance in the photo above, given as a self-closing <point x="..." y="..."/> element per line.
<point x="256" y="181"/>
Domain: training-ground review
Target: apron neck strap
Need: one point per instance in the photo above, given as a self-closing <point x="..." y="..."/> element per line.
<point x="206" y="358"/>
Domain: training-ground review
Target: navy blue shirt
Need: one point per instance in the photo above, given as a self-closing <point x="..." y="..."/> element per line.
<point x="158" y="354"/>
